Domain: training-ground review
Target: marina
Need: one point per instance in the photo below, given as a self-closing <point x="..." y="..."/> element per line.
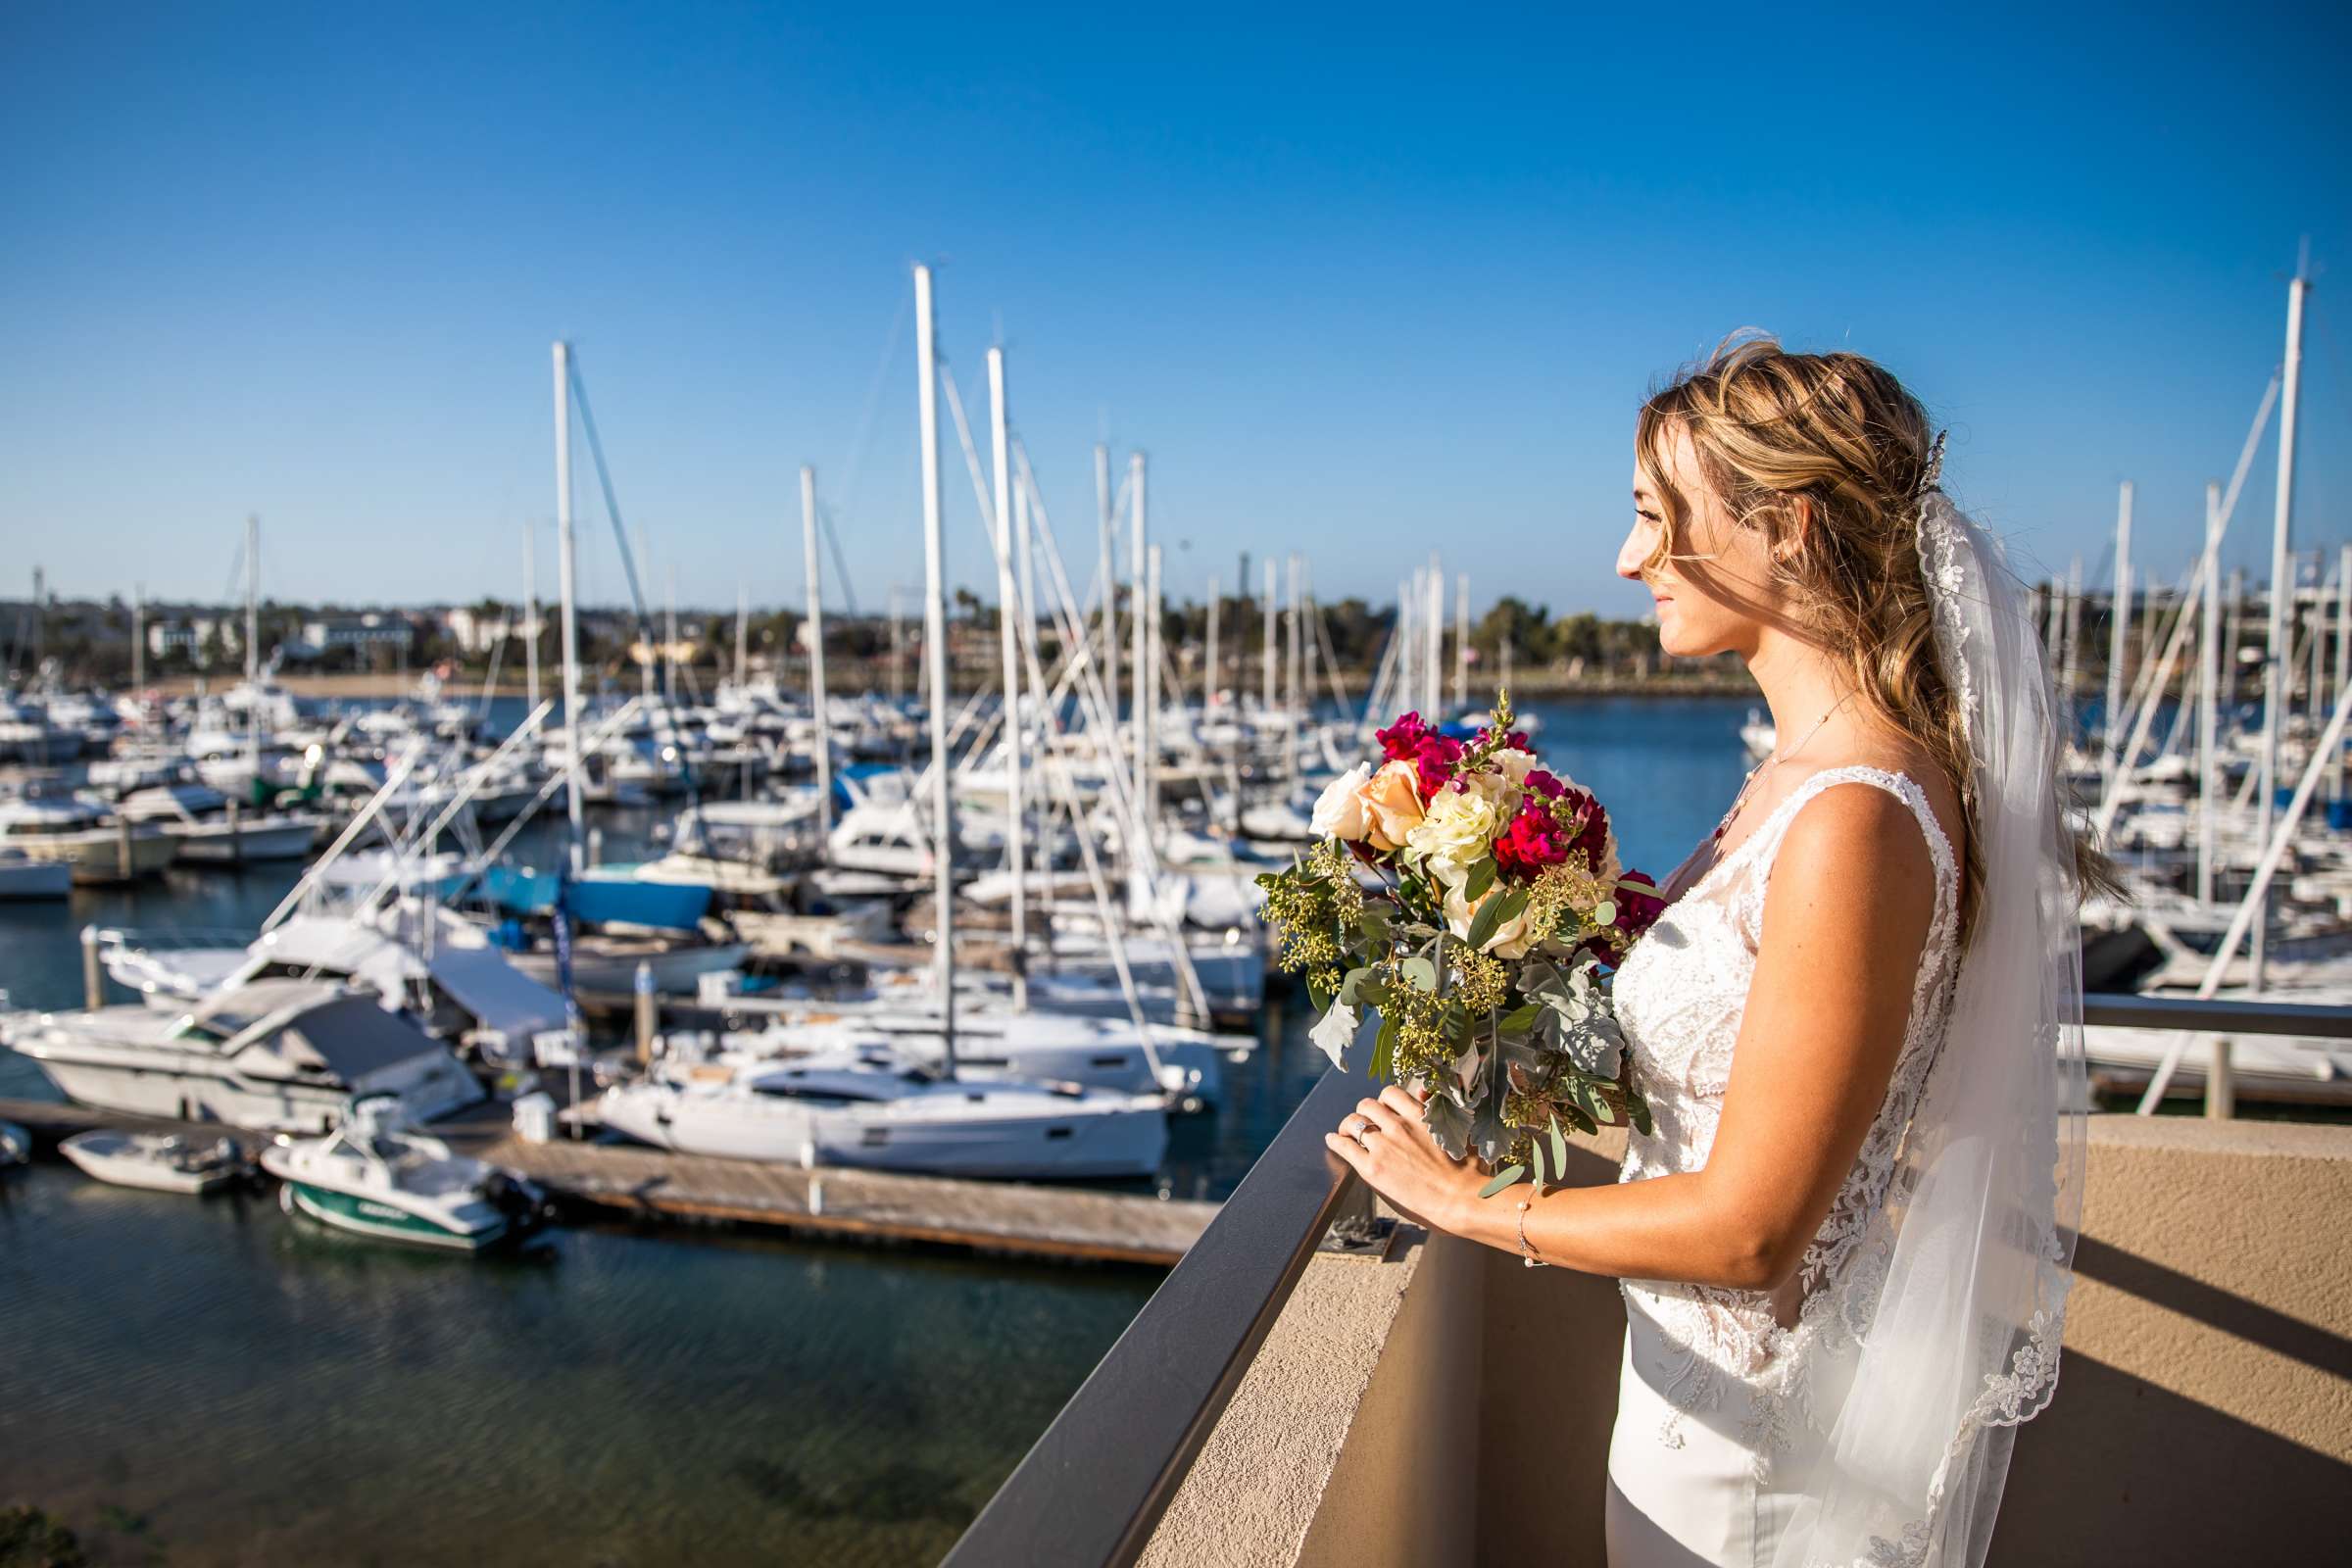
<point x="731" y="739"/>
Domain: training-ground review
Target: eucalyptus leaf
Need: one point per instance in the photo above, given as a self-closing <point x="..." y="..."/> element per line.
<point x="1579" y="1120"/>
<point x="1351" y="982"/>
<point x="1637" y="1111"/>
<point x="1519" y="1020"/>
<point x="1384" y="1048"/>
<point x="1503" y="1178"/>
<point x="1485" y="923"/>
<point x="1560" y="1146"/>
<point x="1422" y="973"/>
<point x="1482" y="877"/>
<point x="1535" y="1159"/>
<point x="1448" y="1124"/>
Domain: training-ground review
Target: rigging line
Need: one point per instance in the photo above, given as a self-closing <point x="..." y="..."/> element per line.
<point x="841" y="564"/>
<point x="853" y="470"/>
<point x="645" y="624"/>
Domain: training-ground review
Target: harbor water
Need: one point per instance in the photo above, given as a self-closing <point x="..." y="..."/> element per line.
<point x="205" y="1383"/>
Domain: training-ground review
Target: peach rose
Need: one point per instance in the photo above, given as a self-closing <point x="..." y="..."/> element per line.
<point x="1340" y="808"/>
<point x="1392" y="801"/>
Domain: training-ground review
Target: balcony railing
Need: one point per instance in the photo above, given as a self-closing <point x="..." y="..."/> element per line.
<point x="1096" y="1485"/>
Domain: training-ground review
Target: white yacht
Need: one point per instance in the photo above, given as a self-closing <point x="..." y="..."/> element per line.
<point x="995" y="1043"/>
<point x="68" y="831"/>
<point x="877" y="1110"/>
<point x="156" y="1162"/>
<point x="417" y="956"/>
<point x="378" y="1175"/>
<point x="277" y="1055"/>
<point x="208" y="831"/>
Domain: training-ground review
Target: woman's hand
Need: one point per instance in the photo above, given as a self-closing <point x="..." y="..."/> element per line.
<point x="1388" y="1143"/>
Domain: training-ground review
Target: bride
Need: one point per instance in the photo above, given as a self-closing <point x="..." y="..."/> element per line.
<point x="1845" y="1245"/>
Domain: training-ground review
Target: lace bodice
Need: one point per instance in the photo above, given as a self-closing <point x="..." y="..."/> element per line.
<point x="1681" y="993"/>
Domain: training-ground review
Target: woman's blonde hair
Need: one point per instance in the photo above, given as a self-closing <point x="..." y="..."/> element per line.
<point x="1769" y="427"/>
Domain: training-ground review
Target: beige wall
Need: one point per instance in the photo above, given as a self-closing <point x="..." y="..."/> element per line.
<point x="2204" y="1409"/>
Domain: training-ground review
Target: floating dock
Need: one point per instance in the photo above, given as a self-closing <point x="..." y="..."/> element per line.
<point x="1001" y="1217"/>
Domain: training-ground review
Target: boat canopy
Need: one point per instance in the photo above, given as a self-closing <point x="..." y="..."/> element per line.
<point x="352" y="1038"/>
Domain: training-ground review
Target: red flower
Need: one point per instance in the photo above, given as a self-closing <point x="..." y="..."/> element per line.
<point x="1432" y="755"/>
<point x="1532" y="841"/>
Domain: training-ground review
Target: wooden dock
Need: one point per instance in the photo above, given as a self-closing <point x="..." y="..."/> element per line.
<point x="1001" y="1217"/>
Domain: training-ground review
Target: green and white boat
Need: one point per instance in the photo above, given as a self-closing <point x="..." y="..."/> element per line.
<point x="378" y="1175"/>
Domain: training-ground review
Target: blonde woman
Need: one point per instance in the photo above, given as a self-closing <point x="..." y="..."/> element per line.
<point x="1847" y="1244"/>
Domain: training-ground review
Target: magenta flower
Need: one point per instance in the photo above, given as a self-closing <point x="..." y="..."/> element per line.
<point x="1532" y="841"/>
<point x="1432" y="755"/>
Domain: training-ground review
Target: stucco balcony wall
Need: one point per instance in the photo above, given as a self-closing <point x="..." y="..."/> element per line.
<point x="2204" y="1411"/>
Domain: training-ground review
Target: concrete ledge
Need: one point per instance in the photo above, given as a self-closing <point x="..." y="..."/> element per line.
<point x="1333" y="1449"/>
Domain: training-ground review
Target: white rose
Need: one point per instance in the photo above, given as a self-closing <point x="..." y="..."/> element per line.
<point x="1340" y="810"/>
<point x="1515" y="764"/>
<point x="1454" y="834"/>
<point x="1510" y="939"/>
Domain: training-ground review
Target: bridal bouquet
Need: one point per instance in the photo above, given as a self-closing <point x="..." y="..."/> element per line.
<point x="1473" y="900"/>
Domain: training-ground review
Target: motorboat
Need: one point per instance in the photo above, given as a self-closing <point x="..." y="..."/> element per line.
<point x="417" y="957"/>
<point x="26" y="876"/>
<point x="212" y="829"/>
<point x="81" y="835"/>
<point x="877" y="1110"/>
<point x="158" y="1163"/>
<point x="275" y="1054"/>
<point x="376" y="1174"/>
<point x="993" y="1042"/>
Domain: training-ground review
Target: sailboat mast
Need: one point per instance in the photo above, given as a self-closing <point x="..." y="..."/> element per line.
<point x="566" y="583"/>
<point x="253" y="618"/>
<point x="1110" y="580"/>
<point x="2209" y="739"/>
<point x="531" y="610"/>
<point x="1273" y="587"/>
<point x="1209" y="686"/>
<point x="2119" y="624"/>
<point x="935" y="664"/>
<point x="1143" y="645"/>
<point x="1434" y="665"/>
<point x="2344" y="651"/>
<point x="2275" y="690"/>
<point x="1462" y="641"/>
<point x="1010" y="605"/>
<point x="812" y="573"/>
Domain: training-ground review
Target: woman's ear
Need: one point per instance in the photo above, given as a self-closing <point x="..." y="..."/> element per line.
<point x="1801" y="523"/>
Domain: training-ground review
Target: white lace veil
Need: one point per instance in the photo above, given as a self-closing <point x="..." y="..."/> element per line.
<point x="1952" y="1312"/>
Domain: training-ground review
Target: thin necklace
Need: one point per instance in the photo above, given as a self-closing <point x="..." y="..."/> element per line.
<point x="1777" y="758"/>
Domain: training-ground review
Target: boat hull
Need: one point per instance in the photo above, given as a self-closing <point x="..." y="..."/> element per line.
<point x="215" y="843"/>
<point x="365" y="1216"/>
<point x="1080" y="1146"/>
<point x="124" y="1170"/>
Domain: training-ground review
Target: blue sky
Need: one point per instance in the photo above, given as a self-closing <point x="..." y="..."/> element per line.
<point x="1360" y="281"/>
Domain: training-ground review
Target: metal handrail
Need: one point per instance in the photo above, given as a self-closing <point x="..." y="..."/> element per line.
<point x="1094" y="1488"/>
<point x="2235" y="1016"/>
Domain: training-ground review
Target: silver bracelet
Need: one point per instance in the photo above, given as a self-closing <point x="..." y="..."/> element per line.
<point x="1527" y="1253"/>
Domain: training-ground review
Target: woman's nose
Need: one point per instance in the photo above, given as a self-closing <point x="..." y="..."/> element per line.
<point x="1634" y="552"/>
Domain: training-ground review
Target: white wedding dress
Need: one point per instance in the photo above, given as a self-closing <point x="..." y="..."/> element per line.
<point x="1717" y="1403"/>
